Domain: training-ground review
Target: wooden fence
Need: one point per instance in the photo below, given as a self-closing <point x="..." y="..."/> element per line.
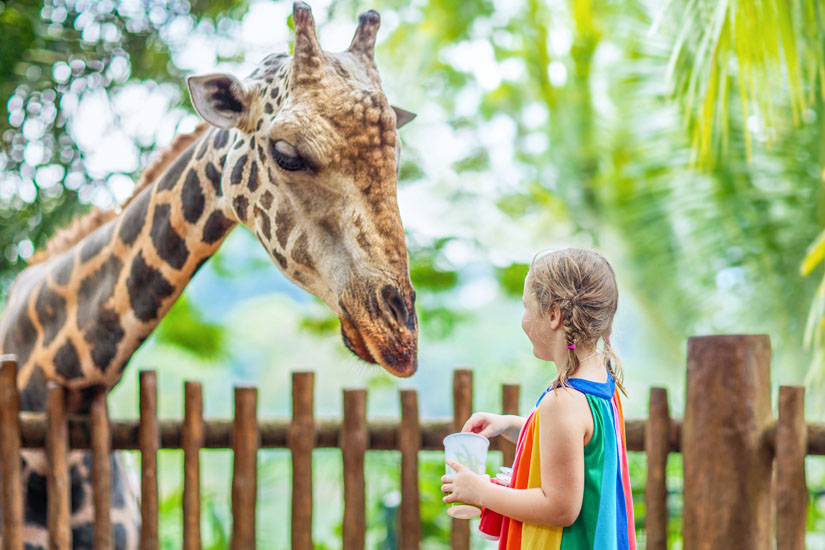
<point x="730" y="442"/>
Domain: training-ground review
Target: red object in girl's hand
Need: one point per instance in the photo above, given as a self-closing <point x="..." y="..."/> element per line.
<point x="491" y="521"/>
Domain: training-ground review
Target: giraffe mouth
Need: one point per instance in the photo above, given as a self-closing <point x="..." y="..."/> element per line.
<point x="397" y="358"/>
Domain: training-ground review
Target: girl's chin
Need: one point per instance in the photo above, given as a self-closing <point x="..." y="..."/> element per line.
<point x="541" y="354"/>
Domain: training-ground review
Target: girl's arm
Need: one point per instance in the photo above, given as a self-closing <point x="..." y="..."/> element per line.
<point x="492" y="424"/>
<point x="564" y="417"/>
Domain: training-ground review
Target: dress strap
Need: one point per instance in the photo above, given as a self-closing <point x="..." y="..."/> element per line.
<point x="604" y="390"/>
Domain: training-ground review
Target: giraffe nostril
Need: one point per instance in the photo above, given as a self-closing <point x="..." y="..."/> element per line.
<point x="395" y="303"/>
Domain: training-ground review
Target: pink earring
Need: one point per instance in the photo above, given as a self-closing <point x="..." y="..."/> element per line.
<point x="571" y="346"/>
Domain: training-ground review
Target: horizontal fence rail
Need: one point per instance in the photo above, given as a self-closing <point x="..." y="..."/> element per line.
<point x="382" y="434"/>
<point x="787" y="439"/>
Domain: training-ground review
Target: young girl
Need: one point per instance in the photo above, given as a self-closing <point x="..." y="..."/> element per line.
<point x="570" y="487"/>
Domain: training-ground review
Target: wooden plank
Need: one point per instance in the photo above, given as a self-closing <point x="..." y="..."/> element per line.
<point x="657" y="446"/>
<point x="245" y="440"/>
<point x="274" y="433"/>
<point x="791" y="489"/>
<point x="353" y="448"/>
<point x="509" y="405"/>
<point x="301" y="442"/>
<point x="192" y="443"/>
<point x="816" y="438"/>
<point x="10" y="456"/>
<point x="409" y="443"/>
<point x="149" y="441"/>
<point x="462" y="410"/>
<point x="727" y="465"/>
<point x="101" y="471"/>
<point x="58" y="480"/>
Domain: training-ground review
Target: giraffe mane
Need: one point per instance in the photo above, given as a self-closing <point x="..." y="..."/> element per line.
<point x="81" y="226"/>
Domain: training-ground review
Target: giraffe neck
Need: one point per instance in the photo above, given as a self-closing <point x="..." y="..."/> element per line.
<point x="80" y="316"/>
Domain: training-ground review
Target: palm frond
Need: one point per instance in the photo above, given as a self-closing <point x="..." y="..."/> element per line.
<point x="764" y="48"/>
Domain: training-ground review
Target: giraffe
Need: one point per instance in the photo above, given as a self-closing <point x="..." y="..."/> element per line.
<point x="304" y="152"/>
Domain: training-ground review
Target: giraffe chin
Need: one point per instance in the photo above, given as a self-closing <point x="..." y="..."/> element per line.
<point x="399" y="362"/>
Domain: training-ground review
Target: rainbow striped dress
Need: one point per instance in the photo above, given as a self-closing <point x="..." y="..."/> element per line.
<point x="606" y="518"/>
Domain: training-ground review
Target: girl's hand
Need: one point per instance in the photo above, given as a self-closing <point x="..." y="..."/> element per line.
<point x="465" y="485"/>
<point x="487" y="424"/>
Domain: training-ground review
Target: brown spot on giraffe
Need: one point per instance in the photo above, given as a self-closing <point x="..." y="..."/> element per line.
<point x="169" y="244"/>
<point x="237" y="170"/>
<point x="284" y="222"/>
<point x="252" y="179"/>
<point x="214" y="177"/>
<point x="62" y="272"/>
<point x="147" y="288"/>
<point x="33" y="396"/>
<point x="263" y="219"/>
<point x="51" y="312"/>
<point x="240" y="203"/>
<point x="216" y="227"/>
<point x="193" y="199"/>
<point x="266" y="200"/>
<point x="221" y="139"/>
<point x="135" y="218"/>
<point x="67" y="361"/>
<point x="170" y="177"/>
<point x="301" y="254"/>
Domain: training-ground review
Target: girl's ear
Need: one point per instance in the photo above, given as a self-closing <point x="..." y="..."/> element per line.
<point x="554" y="317"/>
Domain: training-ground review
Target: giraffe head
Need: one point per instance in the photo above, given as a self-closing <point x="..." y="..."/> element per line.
<point x="310" y="168"/>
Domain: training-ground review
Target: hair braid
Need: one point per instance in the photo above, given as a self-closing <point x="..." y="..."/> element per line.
<point x="613" y="364"/>
<point x="571" y="337"/>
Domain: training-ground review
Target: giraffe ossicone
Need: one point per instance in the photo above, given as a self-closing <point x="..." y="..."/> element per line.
<point x="304" y="152"/>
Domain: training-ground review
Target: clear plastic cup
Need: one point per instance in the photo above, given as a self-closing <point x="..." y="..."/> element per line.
<point x="470" y="450"/>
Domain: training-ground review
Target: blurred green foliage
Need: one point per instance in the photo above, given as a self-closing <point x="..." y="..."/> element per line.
<point x="511" y="278"/>
<point x="185" y="326"/>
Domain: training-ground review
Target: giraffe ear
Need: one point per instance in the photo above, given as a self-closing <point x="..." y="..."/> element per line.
<point x="220" y="99"/>
<point x="402" y="117"/>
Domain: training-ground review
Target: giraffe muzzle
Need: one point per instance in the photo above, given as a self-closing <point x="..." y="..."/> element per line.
<point x="388" y="337"/>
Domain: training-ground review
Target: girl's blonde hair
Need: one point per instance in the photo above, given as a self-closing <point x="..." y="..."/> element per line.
<point x="582" y="283"/>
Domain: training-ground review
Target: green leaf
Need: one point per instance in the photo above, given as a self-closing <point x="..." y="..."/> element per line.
<point x="185" y="327"/>
<point x="425" y="275"/>
<point x="512" y="278"/>
<point x="814" y="255"/>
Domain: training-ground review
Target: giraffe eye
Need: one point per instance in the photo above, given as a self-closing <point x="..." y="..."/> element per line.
<point x="287" y="156"/>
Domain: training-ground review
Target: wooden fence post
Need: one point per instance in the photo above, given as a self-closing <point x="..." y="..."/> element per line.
<point x="462" y="410"/>
<point x="10" y="455"/>
<point x="409" y="443"/>
<point x="791" y="489"/>
<point x="101" y="443"/>
<point x="59" y="484"/>
<point x="301" y="441"/>
<point x="509" y="405"/>
<point x="245" y="443"/>
<point x="727" y="458"/>
<point x="192" y="441"/>
<point x="657" y="446"/>
<point x="353" y="448"/>
<point x="149" y="439"/>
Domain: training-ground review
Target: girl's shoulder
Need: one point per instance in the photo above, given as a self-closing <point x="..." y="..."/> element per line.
<point x="563" y="400"/>
<point x="566" y="410"/>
